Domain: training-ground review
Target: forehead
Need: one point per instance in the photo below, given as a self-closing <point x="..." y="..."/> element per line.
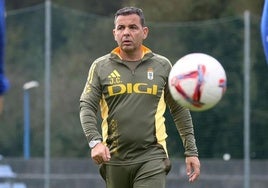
<point x="128" y="20"/>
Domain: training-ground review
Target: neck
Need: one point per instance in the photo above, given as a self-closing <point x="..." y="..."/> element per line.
<point x="131" y="56"/>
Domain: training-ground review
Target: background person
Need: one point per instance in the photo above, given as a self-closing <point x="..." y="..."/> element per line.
<point x="3" y="80"/>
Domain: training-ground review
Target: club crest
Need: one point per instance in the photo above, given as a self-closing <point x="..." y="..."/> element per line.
<point x="150" y="73"/>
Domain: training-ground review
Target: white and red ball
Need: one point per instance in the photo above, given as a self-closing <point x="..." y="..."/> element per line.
<point x="197" y="81"/>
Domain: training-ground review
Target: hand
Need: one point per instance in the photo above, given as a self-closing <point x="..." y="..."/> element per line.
<point x="100" y="153"/>
<point x="192" y="168"/>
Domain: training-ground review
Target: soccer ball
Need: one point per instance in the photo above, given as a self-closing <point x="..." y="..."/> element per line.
<point x="197" y="81"/>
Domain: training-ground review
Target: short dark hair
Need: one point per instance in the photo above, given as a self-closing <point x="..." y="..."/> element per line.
<point x="128" y="11"/>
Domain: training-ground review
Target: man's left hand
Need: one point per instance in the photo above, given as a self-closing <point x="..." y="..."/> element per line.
<point x="192" y="168"/>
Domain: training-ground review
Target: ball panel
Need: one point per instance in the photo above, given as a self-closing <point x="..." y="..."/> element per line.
<point x="197" y="81"/>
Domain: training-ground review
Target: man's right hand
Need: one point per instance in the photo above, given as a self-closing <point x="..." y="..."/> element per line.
<point x="100" y="153"/>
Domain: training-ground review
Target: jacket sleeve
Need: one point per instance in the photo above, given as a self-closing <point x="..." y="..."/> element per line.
<point x="184" y="124"/>
<point x="183" y="121"/>
<point x="89" y="104"/>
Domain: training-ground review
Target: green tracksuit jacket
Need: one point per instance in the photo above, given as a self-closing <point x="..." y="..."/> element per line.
<point x="132" y="104"/>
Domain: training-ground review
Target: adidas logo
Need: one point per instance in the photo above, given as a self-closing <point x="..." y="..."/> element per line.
<point x="114" y="74"/>
<point x="114" y="77"/>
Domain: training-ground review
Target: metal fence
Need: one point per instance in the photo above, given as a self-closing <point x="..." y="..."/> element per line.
<point x="77" y="38"/>
<point x="82" y="173"/>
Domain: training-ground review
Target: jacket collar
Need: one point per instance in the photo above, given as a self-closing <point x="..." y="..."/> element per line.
<point x="146" y="54"/>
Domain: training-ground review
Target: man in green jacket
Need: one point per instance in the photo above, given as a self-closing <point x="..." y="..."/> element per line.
<point x="129" y="86"/>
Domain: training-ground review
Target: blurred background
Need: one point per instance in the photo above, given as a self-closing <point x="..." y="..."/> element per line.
<point x="81" y="31"/>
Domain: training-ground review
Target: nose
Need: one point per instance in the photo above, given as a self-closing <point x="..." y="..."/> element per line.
<point x="126" y="31"/>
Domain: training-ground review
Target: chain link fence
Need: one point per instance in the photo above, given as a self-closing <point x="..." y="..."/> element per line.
<point x="78" y="38"/>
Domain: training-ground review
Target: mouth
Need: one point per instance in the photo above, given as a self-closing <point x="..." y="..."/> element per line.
<point x="127" y="42"/>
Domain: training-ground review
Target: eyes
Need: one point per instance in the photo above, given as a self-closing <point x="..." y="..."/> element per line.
<point x="130" y="27"/>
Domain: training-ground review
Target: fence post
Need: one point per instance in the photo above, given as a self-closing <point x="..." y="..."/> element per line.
<point x="47" y="91"/>
<point x="246" y="99"/>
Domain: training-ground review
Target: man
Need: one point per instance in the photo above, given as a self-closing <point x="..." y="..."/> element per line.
<point x="4" y="84"/>
<point x="130" y="85"/>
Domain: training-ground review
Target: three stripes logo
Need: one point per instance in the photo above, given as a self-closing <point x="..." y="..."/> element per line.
<point x="114" y="77"/>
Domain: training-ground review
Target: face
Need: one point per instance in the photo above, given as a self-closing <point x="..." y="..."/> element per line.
<point x="129" y="33"/>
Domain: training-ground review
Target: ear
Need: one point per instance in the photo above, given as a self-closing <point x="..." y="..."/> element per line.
<point x="114" y="34"/>
<point x="145" y="32"/>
